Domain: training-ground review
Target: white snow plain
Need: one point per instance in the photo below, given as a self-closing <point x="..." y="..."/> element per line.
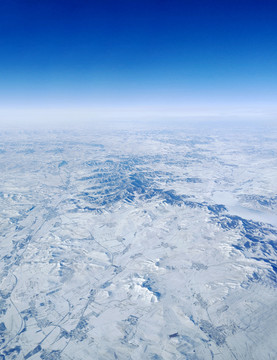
<point x="139" y="244"/>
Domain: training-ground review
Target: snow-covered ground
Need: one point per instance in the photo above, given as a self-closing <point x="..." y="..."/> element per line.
<point x="148" y="243"/>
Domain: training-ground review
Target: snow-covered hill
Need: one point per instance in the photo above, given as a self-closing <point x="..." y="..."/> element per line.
<point x="139" y="244"/>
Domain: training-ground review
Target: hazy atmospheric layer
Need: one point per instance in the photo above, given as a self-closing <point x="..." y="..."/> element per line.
<point x="139" y="244"/>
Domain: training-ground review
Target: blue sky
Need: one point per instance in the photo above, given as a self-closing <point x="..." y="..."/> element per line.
<point x="131" y="54"/>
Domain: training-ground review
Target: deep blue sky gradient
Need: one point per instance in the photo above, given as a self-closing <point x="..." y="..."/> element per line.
<point x="87" y="53"/>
